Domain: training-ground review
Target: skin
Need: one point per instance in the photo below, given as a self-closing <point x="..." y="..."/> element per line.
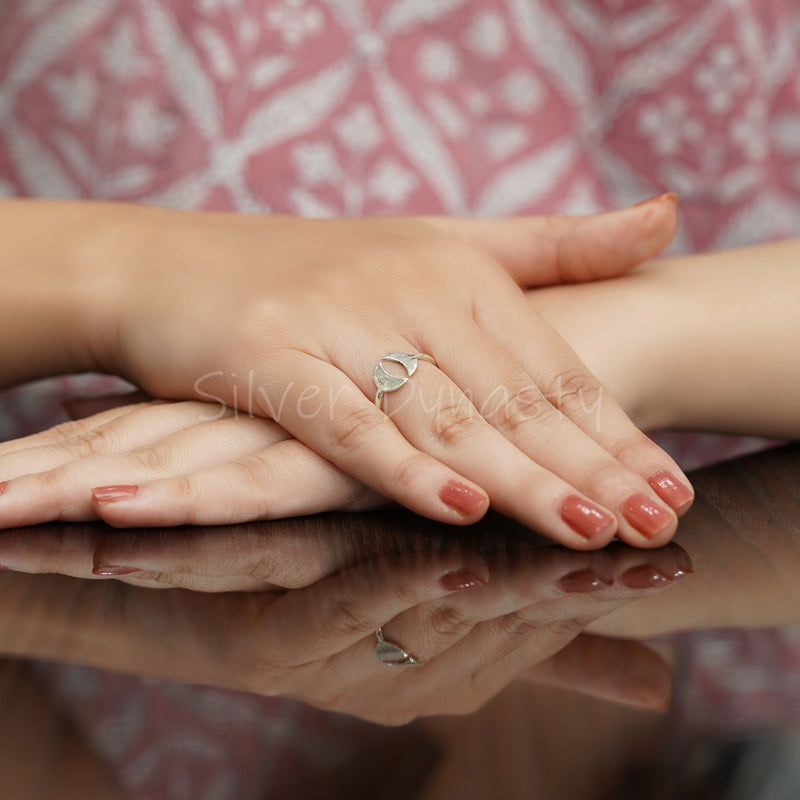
<point x="286" y="318"/>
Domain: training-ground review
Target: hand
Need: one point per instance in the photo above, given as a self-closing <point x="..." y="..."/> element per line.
<point x="194" y="468"/>
<point x="305" y="309"/>
<point x="477" y="624"/>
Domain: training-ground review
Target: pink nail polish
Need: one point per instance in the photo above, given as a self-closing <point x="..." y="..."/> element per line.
<point x="460" y="580"/>
<point x="583" y="581"/>
<point x="461" y="498"/>
<point x="671" y="490"/>
<point x="584" y="517"/>
<point x="646" y="515"/>
<point x="113" y="570"/>
<point x="647" y="576"/>
<point x="3" y="485"/>
<point x="111" y="494"/>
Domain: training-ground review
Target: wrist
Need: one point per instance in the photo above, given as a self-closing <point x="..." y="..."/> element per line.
<point x="59" y="273"/>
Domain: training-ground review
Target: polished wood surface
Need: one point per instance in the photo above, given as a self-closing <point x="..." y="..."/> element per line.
<point x="743" y="534"/>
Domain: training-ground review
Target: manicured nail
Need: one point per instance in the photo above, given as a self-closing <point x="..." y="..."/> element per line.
<point x="3" y="485"/>
<point x="111" y="494"/>
<point x="647" y="576"/>
<point x="671" y="490"/>
<point x="584" y="517"/>
<point x="462" y="498"/>
<point x="112" y="570"/>
<point x="666" y="197"/>
<point x="647" y="516"/>
<point x="460" y="579"/>
<point x="583" y="581"/>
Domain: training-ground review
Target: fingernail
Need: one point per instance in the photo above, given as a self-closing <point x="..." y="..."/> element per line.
<point x="582" y="581"/>
<point x="460" y="579"/>
<point x="112" y="570"/>
<point x="584" y="517"/>
<point x="647" y="576"/>
<point x="111" y="494"/>
<point x="462" y="498"/>
<point x="3" y="485"/>
<point x="666" y="197"/>
<point x="671" y="490"/>
<point x="646" y="515"/>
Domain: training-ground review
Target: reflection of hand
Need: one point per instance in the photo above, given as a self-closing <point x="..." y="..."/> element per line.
<point x="294" y="315"/>
<point x="317" y="644"/>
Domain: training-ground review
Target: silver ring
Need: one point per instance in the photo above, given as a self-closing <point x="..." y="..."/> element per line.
<point x="393" y="655"/>
<point x="391" y="383"/>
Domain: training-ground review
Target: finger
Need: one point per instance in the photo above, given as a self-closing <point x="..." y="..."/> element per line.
<point x="348" y="608"/>
<point x="634" y="477"/>
<point x="361" y="440"/>
<point x="114" y="431"/>
<point x="284" y="480"/>
<point x="619" y="670"/>
<point x="437" y="417"/>
<point x="64" y="492"/>
<point x="534" y="418"/>
<point x="551" y="586"/>
<point x="64" y="432"/>
<point x="537" y="251"/>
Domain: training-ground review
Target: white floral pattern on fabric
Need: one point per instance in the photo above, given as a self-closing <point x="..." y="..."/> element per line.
<point x="337" y="107"/>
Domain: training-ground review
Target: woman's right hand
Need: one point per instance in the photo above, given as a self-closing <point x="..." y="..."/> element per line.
<point x="289" y="318"/>
<point x="476" y="624"/>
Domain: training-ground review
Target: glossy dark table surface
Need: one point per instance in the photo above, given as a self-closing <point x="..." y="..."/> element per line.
<point x="743" y="535"/>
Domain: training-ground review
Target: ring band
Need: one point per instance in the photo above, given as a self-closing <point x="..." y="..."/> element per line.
<point x="393" y="655"/>
<point x="391" y="383"/>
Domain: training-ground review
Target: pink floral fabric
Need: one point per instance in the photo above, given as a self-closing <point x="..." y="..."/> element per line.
<point x="345" y="107"/>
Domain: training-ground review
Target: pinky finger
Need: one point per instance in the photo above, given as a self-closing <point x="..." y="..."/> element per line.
<point x="284" y="480"/>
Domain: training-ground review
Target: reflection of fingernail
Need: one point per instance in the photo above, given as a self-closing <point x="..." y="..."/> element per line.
<point x="684" y="562"/>
<point x="462" y="498"/>
<point x="582" y="581"/>
<point x="646" y="576"/>
<point x="647" y="516"/>
<point x="112" y="570"/>
<point x="111" y="494"/>
<point x="584" y="517"/>
<point x="459" y="580"/>
<point x="671" y="490"/>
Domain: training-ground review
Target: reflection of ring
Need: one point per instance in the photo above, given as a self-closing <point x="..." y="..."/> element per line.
<point x="392" y="654"/>
<point x="391" y="383"/>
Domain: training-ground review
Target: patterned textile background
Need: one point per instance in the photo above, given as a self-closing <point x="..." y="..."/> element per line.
<point x="343" y="107"/>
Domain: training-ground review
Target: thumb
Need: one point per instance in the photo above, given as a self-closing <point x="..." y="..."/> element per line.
<point x="539" y="251"/>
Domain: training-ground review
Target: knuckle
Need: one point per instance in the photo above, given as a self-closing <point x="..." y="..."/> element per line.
<point x="353" y="430"/>
<point x="449" y="622"/>
<point x="154" y="457"/>
<point x="453" y="423"/>
<point x="87" y="444"/>
<point x="521" y="405"/>
<point x="407" y="470"/>
<point x="347" y="619"/>
<point x="629" y="448"/>
<point x="573" y="391"/>
<point x="183" y="487"/>
<point x="265" y="567"/>
<point x="514" y="627"/>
